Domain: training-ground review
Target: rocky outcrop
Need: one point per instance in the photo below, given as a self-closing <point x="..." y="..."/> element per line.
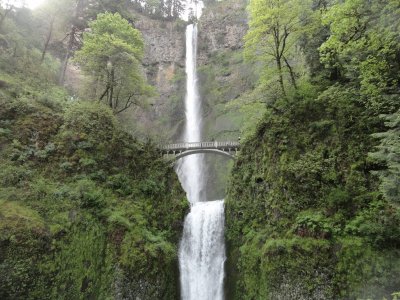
<point x="222" y="27"/>
<point x="164" y="52"/>
<point x="163" y="63"/>
<point x="164" y="41"/>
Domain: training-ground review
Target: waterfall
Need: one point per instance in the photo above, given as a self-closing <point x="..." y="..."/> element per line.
<point x="202" y="248"/>
<point x="192" y="167"/>
<point x="202" y="252"/>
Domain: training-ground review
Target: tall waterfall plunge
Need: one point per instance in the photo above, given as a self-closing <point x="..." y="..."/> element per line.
<point x="202" y="248"/>
<point x="191" y="169"/>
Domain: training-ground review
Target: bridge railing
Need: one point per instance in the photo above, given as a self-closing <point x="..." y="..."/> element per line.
<point x="201" y="145"/>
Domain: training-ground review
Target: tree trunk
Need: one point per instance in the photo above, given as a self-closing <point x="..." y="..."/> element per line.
<point x="104" y="93"/>
<point x="68" y="54"/>
<point x="48" y="38"/>
<point x="279" y="66"/>
<point x="111" y="89"/>
<point x="4" y="16"/>
<point x="292" y="77"/>
<point x="278" y="55"/>
<point x="79" y="9"/>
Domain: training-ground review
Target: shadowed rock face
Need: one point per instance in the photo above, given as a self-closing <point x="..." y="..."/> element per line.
<point x="164" y="52"/>
<point x="164" y="41"/>
<point x="222" y="27"/>
<point x="164" y="59"/>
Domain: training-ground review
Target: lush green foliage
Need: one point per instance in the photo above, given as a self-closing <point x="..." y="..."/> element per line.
<point x="86" y="211"/>
<point x="389" y="153"/>
<point x="307" y="217"/>
<point x="111" y="52"/>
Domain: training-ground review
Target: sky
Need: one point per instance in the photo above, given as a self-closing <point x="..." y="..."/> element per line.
<point x="33" y="3"/>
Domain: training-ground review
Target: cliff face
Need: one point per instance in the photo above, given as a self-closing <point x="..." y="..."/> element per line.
<point x="164" y="41"/>
<point x="223" y="78"/>
<point x="164" y="64"/>
<point x="222" y="72"/>
<point x="164" y="55"/>
<point x="222" y="28"/>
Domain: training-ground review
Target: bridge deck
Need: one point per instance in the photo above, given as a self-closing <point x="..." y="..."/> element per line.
<point x="200" y="145"/>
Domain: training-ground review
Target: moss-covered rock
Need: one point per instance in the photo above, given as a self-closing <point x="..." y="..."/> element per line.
<point x="305" y="219"/>
<point x="86" y="211"/>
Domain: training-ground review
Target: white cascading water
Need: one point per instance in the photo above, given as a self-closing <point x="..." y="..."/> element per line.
<point x="191" y="167"/>
<point x="202" y="248"/>
<point x="202" y="252"/>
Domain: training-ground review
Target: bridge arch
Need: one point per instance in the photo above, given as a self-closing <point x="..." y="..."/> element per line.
<point x="228" y="149"/>
<point x="200" y="151"/>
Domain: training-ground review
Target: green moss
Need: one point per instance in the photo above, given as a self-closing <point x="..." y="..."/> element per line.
<point x="15" y="217"/>
<point x="86" y="211"/>
<point x="305" y="219"/>
<point x="82" y="265"/>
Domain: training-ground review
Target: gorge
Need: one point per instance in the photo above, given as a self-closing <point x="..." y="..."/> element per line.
<point x="90" y="208"/>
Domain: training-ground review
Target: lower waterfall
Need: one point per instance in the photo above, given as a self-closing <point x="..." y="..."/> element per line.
<point x="202" y="252"/>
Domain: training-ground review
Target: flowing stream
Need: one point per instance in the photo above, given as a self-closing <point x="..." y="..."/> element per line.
<point x="202" y="248"/>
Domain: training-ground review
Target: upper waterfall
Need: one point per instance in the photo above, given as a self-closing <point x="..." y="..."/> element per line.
<point x="193" y="9"/>
<point x="190" y="168"/>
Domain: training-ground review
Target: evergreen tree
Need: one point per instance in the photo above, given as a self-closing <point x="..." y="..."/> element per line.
<point x="160" y="9"/>
<point x="389" y="153"/>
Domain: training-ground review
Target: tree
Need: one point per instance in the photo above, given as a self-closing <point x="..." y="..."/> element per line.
<point x="363" y="50"/>
<point x="364" y="47"/>
<point x="6" y="7"/>
<point x="275" y="26"/>
<point x="111" y="52"/>
<point x="388" y="152"/>
<point x="53" y="15"/>
<point x="160" y="9"/>
<point x="78" y="24"/>
<point x="173" y="8"/>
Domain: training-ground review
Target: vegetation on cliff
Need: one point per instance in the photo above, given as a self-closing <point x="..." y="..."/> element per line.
<point x="313" y="203"/>
<point x="89" y="212"/>
<point x="86" y="210"/>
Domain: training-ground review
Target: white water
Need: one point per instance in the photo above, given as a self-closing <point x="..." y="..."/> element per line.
<point x="202" y="252"/>
<point x="191" y="168"/>
<point x="202" y="248"/>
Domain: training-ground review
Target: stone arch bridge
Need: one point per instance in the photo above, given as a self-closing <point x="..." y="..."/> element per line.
<point x="179" y="150"/>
